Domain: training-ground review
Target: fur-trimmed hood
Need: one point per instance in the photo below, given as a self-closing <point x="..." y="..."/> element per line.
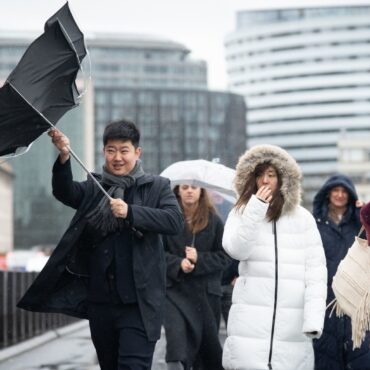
<point x="283" y="162"/>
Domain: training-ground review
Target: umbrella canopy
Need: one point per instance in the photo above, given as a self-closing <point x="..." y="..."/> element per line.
<point x="206" y="174"/>
<point x="42" y="86"/>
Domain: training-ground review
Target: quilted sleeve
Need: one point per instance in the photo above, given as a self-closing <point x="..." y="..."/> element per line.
<point x="315" y="281"/>
<point x="241" y="228"/>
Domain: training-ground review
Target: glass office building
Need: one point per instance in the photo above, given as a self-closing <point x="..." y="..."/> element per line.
<point x="306" y="77"/>
<point x="176" y="124"/>
<point x="143" y="61"/>
<point x="6" y="209"/>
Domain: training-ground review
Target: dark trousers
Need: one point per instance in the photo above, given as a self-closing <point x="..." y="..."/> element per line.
<point x="119" y="337"/>
<point x="210" y="352"/>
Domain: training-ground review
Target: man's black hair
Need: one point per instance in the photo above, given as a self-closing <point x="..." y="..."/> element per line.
<point x="122" y="130"/>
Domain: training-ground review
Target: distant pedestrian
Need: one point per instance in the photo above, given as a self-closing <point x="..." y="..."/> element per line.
<point x="109" y="266"/>
<point x="279" y="297"/>
<point x="195" y="261"/>
<point x="337" y="213"/>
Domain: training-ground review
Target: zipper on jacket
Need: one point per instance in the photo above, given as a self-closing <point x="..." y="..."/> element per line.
<point x="275" y="298"/>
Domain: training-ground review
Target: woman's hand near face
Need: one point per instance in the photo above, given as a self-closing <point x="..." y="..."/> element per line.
<point x="264" y="193"/>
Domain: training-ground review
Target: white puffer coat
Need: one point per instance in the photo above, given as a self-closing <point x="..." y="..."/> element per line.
<point x="279" y="297"/>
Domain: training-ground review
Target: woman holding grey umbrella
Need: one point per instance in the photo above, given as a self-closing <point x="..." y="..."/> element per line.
<point x="195" y="260"/>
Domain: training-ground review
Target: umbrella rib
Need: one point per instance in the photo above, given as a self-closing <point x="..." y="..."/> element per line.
<point x="74" y="155"/>
<point x="71" y="44"/>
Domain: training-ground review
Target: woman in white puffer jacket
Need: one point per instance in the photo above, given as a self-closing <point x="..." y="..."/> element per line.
<point x="279" y="298"/>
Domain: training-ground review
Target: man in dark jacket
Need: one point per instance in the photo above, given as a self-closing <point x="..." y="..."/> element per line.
<point x="337" y="212"/>
<point x="109" y="266"/>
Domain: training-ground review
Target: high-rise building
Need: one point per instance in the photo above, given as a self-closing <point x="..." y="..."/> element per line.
<point x="305" y="73"/>
<point x="143" y="61"/>
<point x="176" y="124"/>
<point x="155" y="82"/>
<point x="354" y="160"/>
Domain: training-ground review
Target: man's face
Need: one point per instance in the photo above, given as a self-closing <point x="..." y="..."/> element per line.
<point x="338" y="197"/>
<point x="120" y="156"/>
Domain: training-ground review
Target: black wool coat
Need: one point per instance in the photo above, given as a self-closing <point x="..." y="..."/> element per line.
<point x="62" y="285"/>
<point x="191" y="298"/>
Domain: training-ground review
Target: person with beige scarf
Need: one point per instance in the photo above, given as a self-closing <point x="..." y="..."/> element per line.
<point x="336" y="209"/>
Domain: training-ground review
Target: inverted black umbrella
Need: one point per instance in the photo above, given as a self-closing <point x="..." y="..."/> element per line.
<point x="42" y="87"/>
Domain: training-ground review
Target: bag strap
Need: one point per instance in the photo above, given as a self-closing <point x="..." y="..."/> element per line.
<point x="361" y="230"/>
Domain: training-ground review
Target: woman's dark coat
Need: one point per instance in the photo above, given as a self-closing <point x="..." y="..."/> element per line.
<point x="62" y="285"/>
<point x="193" y="300"/>
<point x="333" y="351"/>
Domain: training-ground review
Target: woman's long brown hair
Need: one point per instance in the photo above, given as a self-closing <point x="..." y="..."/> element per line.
<point x="200" y="217"/>
<point x="250" y="187"/>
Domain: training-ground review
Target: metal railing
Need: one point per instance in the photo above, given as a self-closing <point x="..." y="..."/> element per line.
<point x="17" y="325"/>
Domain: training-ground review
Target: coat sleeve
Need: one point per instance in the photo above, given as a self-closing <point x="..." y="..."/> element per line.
<point x="315" y="282"/>
<point x="173" y="262"/>
<point x="241" y="229"/>
<point x="166" y="218"/>
<point x="215" y="259"/>
<point x="66" y="190"/>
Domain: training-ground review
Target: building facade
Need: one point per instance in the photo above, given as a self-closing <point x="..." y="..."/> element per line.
<point x="354" y="160"/>
<point x="6" y="209"/>
<point x="176" y="124"/>
<point x="305" y="75"/>
<point x="135" y="61"/>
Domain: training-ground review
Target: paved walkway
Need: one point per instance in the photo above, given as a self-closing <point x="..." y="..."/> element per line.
<point x="66" y="349"/>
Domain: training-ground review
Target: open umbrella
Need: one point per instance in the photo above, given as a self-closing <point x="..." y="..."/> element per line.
<point x="206" y="174"/>
<point x="42" y="86"/>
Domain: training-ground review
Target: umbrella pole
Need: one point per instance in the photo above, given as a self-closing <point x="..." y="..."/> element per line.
<point x="74" y="155"/>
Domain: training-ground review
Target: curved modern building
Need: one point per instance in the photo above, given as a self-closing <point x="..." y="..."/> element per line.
<point x="305" y="74"/>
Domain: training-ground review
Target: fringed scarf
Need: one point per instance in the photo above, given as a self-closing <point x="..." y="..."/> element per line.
<point x="351" y="286"/>
<point x="101" y="217"/>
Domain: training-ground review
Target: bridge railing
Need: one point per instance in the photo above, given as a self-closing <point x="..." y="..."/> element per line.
<point x="17" y="325"/>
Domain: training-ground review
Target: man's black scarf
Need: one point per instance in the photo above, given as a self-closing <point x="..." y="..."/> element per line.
<point x="101" y="217"/>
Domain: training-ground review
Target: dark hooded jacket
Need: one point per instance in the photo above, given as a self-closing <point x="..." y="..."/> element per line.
<point x="334" y="349"/>
<point x="62" y="285"/>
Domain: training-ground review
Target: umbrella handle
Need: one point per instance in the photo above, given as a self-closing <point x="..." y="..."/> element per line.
<point x="137" y="232"/>
<point x="74" y="155"/>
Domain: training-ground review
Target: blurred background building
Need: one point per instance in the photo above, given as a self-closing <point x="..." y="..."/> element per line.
<point x="354" y="160"/>
<point x="156" y="83"/>
<point x="305" y="74"/>
<point x="176" y="124"/>
<point x="143" y="61"/>
<point x="6" y="209"/>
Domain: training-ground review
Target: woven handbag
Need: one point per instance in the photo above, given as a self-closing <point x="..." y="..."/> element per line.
<point x="351" y="286"/>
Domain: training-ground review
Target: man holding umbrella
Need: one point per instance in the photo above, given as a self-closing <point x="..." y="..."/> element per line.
<point x="109" y="266"/>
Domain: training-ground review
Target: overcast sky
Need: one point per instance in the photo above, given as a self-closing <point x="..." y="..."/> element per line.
<point x="199" y="24"/>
